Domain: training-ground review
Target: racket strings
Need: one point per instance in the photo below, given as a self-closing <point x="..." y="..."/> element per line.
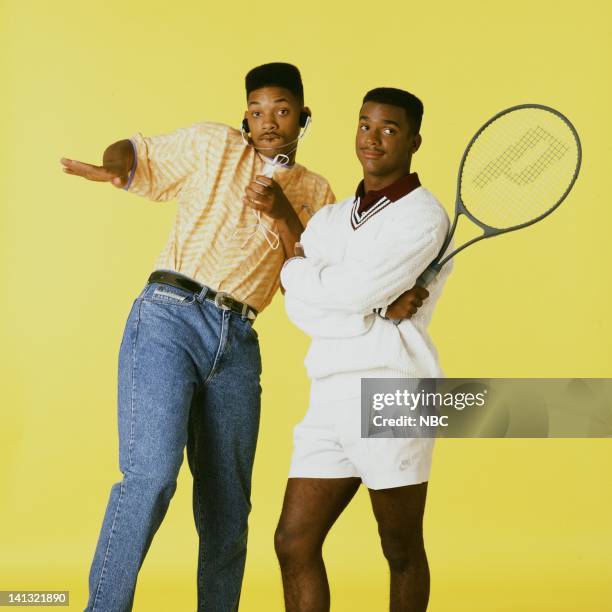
<point x="518" y="168"/>
<point x="503" y="164"/>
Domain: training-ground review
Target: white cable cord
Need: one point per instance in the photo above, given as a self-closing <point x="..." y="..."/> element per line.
<point x="271" y="237"/>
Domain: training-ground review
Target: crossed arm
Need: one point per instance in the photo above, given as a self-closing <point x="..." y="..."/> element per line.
<point x="364" y="281"/>
<point x="263" y="194"/>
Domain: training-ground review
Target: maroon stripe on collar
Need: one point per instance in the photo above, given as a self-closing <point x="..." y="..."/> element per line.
<point x="396" y="190"/>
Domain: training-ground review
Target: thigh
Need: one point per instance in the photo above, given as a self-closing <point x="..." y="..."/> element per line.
<point x="312" y="505"/>
<point x="399" y="511"/>
<point x="224" y="426"/>
<point x="157" y="380"/>
<point x="226" y="414"/>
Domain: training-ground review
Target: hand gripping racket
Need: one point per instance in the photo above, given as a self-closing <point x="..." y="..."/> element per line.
<point x="519" y="166"/>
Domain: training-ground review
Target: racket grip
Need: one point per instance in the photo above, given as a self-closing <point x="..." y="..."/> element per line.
<point x="427" y="277"/>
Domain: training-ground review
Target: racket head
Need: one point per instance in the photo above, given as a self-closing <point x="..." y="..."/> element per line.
<point x="518" y="168"/>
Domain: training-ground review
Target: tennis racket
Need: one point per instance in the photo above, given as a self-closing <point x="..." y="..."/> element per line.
<point x="517" y="169"/>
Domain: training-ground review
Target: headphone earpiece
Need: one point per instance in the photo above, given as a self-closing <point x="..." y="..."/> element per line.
<point x="304" y="117"/>
<point x="245" y="126"/>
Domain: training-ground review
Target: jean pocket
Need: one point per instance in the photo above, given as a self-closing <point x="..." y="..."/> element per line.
<point x="248" y="324"/>
<point x="170" y="295"/>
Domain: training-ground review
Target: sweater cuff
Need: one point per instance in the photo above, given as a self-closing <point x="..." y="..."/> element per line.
<point x="283" y="271"/>
<point x="381" y="312"/>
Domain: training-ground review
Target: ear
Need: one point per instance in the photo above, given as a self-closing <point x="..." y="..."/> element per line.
<point x="306" y="109"/>
<point x="416" y="143"/>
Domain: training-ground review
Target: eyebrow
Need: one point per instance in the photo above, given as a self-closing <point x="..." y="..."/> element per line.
<point x="275" y="101"/>
<point x="384" y="121"/>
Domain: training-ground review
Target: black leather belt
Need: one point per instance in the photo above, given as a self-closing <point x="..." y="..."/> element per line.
<point x="219" y="298"/>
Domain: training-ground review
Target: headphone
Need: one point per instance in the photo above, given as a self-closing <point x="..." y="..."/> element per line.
<point x="305" y="119"/>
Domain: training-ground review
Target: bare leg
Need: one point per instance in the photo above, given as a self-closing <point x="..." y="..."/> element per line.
<point x="399" y="513"/>
<point x="310" y="508"/>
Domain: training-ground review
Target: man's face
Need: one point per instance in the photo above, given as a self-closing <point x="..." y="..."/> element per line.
<point x="385" y="139"/>
<point x="273" y="114"/>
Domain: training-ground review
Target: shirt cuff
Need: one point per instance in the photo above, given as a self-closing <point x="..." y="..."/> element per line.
<point x="134" y="165"/>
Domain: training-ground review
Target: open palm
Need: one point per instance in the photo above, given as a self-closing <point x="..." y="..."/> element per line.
<point x="111" y="173"/>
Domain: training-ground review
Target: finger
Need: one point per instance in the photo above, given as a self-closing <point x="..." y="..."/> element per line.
<point x="120" y="181"/>
<point x="299" y="249"/>
<point x="266" y="181"/>
<point x="257" y="188"/>
<point x="88" y="171"/>
<point x="262" y="185"/>
<point x="421" y="292"/>
<point x="248" y="202"/>
<point x="251" y="197"/>
<point x="262" y="198"/>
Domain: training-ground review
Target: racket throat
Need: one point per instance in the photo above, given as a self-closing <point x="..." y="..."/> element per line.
<point x="427" y="277"/>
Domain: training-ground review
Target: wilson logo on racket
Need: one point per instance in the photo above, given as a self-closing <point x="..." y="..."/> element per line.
<point x="530" y="145"/>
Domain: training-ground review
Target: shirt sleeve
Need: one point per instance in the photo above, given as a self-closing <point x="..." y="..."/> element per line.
<point x="328" y="195"/>
<point x="163" y="163"/>
<point x="322" y="195"/>
<point x="375" y="276"/>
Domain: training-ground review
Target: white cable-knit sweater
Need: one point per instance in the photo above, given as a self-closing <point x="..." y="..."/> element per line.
<point x="331" y="293"/>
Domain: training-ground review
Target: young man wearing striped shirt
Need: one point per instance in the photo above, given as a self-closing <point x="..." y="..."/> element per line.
<point x="189" y="362"/>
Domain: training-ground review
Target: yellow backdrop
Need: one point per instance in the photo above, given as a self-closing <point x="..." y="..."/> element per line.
<point x="510" y="525"/>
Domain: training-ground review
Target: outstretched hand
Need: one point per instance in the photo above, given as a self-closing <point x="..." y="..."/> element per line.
<point x="103" y="174"/>
<point x="407" y="304"/>
<point x="117" y="163"/>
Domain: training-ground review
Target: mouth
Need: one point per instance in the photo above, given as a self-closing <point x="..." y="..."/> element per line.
<point x="372" y="153"/>
<point x="270" y="136"/>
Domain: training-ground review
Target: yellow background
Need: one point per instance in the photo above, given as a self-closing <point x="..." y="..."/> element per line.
<point x="510" y="524"/>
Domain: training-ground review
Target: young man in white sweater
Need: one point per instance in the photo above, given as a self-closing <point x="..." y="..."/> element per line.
<point x="356" y="257"/>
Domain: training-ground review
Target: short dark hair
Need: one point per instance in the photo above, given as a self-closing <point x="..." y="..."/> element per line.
<point x="276" y="74"/>
<point x="398" y="97"/>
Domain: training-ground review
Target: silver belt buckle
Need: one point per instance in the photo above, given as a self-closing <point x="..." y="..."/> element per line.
<point x="220" y="297"/>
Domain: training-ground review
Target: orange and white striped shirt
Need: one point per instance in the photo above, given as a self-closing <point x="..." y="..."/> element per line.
<point x="207" y="167"/>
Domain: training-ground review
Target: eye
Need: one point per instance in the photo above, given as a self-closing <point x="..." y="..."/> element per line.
<point x="255" y="114"/>
<point x="389" y="131"/>
<point x="363" y="127"/>
<point x="283" y="111"/>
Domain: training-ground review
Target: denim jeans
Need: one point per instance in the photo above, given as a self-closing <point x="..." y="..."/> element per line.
<point x="188" y="376"/>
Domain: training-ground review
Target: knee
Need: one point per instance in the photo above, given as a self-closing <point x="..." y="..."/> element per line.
<point x="294" y="547"/>
<point x="402" y="551"/>
<point x="157" y="486"/>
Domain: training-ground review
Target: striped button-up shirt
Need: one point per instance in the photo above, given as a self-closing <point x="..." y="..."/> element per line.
<point x="215" y="238"/>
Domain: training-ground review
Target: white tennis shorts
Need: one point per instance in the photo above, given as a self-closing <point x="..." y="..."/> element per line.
<point x="328" y="443"/>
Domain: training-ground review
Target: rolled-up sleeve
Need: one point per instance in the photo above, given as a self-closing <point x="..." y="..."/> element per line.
<point x="163" y="163"/>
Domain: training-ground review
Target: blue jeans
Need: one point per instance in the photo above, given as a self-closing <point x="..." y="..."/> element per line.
<point x="188" y="376"/>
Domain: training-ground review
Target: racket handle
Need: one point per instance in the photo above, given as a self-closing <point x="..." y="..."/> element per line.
<point x="422" y="281"/>
<point x="427" y="277"/>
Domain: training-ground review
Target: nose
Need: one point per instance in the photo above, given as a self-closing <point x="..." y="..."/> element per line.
<point x="269" y="121"/>
<point x="372" y="138"/>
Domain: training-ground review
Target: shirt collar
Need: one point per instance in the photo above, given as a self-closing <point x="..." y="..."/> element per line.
<point x="393" y="192"/>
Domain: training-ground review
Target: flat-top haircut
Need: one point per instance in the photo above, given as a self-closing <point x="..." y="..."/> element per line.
<point x="398" y="97"/>
<point x="276" y="74"/>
